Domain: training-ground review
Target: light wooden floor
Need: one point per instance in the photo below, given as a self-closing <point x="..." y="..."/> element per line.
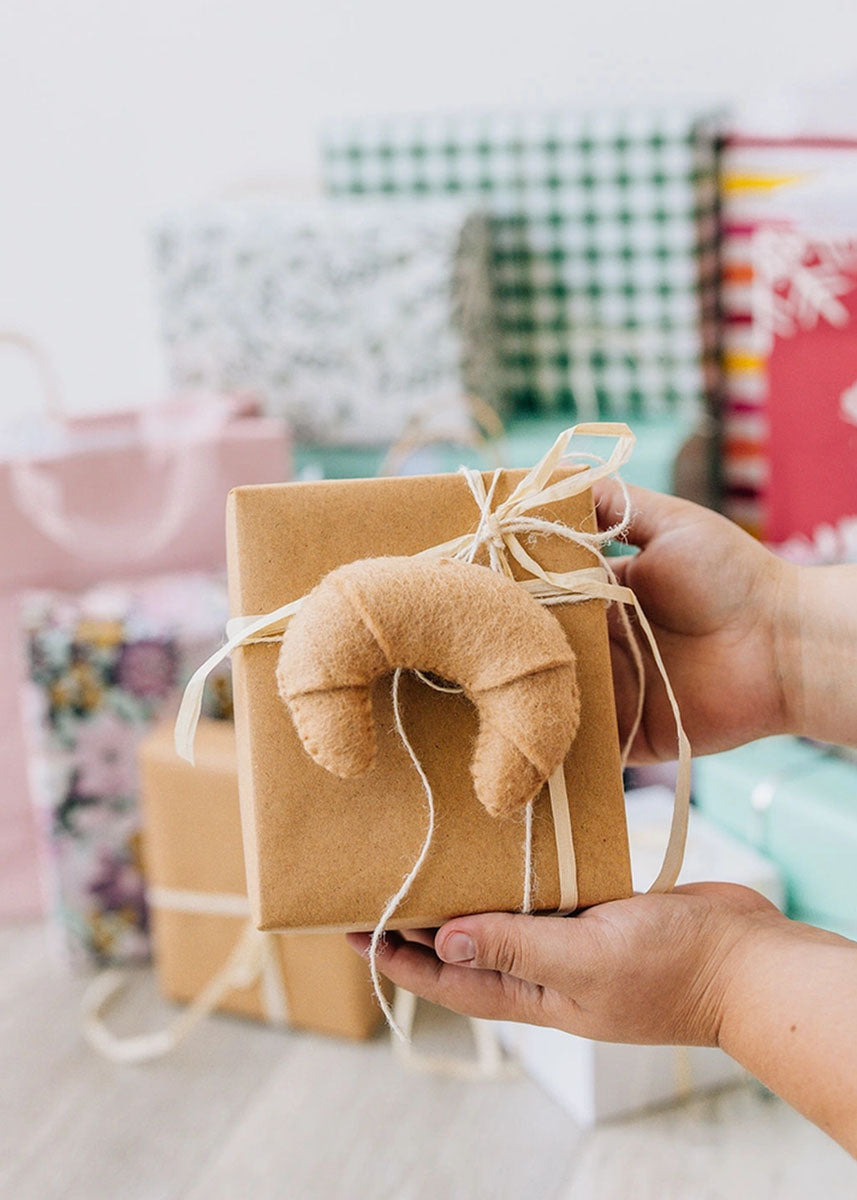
<point x="242" y="1112"/>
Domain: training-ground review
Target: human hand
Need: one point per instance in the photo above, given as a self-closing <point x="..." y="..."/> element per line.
<point x="652" y="969"/>
<point x="718" y="603"/>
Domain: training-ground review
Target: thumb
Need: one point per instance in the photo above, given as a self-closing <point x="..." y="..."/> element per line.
<point x="536" y="949"/>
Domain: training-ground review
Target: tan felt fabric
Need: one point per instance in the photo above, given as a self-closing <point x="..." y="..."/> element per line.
<point x="462" y="622"/>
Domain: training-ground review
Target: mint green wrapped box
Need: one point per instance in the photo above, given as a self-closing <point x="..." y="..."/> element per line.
<point x="659" y="440"/>
<point x="796" y="802"/>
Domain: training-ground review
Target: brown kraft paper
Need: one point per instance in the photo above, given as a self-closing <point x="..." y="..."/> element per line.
<point x="193" y="842"/>
<point x="327" y="853"/>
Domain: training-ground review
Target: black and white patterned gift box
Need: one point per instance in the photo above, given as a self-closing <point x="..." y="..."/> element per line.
<point x="351" y="319"/>
<point x="604" y="243"/>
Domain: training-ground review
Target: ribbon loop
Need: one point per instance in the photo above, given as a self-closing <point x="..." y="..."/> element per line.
<point x="252" y="958"/>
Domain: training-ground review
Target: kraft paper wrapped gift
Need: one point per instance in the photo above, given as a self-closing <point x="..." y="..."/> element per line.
<point x="796" y="802"/>
<point x="324" y="852"/>
<point x="194" y="862"/>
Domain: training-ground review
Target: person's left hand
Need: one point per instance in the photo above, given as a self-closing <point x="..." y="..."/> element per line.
<point x="651" y="969"/>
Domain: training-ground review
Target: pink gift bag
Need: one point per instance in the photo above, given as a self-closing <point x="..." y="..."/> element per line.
<point x="85" y="500"/>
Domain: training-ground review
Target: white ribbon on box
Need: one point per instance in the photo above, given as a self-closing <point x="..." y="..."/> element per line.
<point x="255" y="956"/>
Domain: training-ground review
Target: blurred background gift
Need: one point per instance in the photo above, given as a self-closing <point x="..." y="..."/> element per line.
<point x="252" y="242"/>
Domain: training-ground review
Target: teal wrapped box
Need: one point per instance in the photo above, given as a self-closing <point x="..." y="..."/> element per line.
<point x="659" y="440"/>
<point x="797" y="803"/>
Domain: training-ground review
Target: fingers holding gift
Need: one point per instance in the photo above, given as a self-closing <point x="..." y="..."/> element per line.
<point x="503" y="966"/>
<point x="553" y="952"/>
<point x="650" y="514"/>
<point x="475" y="993"/>
<point x="423" y="937"/>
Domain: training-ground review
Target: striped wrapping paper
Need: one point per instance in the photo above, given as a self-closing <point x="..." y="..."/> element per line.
<point x="767" y="184"/>
<point x="604" y="244"/>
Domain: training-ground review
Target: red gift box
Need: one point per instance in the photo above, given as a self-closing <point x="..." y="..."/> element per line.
<point x="767" y="183"/>
<point x="806" y="299"/>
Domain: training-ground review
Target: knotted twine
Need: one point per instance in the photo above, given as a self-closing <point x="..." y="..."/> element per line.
<point x="498" y="534"/>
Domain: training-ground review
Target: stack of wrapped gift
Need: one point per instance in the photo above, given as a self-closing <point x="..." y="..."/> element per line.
<point x="353" y="320"/>
<point x="603" y="237"/>
<point x="197" y="897"/>
<point x="784" y="199"/>
<point x="797" y="802"/>
<point x="104" y="664"/>
<point x="595" y="1081"/>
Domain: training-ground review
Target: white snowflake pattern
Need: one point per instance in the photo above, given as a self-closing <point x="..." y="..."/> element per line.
<point x="848" y="404"/>
<point x="827" y="544"/>
<point x="798" y="281"/>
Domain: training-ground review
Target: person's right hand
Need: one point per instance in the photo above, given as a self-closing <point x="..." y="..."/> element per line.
<point x="717" y="601"/>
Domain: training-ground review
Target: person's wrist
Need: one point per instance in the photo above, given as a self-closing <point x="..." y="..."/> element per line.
<point x="712" y="966"/>
<point x="789" y="600"/>
<point x="758" y="936"/>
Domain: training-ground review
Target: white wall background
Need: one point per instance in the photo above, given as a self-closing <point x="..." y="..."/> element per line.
<point x="112" y="109"/>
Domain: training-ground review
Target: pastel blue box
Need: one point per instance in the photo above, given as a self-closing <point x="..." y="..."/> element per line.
<point x="796" y="802"/>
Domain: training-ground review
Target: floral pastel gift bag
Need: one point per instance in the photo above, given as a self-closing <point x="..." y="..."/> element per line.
<point x="115" y="496"/>
<point x="103" y="666"/>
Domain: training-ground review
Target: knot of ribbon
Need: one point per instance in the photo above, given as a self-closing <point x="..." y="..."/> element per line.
<point x="491" y="530"/>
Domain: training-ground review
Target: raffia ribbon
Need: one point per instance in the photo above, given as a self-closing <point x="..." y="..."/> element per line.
<point x="498" y="533"/>
<point x="255" y="956"/>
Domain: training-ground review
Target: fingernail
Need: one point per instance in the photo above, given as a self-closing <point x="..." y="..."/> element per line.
<point x="359" y="942"/>
<point x="458" y="948"/>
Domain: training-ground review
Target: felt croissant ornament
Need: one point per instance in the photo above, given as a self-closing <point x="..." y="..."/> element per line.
<point x="465" y="623"/>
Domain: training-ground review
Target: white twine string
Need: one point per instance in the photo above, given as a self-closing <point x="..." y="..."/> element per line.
<point x="527" y="902"/>
<point x="379" y="932"/>
<point x="396" y="899"/>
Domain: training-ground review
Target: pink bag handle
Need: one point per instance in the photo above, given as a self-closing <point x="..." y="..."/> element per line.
<point x="186" y="441"/>
<point x="44" y="369"/>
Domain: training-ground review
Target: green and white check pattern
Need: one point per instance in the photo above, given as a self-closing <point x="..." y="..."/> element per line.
<point x="604" y="244"/>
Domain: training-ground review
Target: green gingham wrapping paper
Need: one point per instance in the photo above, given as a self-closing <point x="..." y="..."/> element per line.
<point x="604" y="244"/>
